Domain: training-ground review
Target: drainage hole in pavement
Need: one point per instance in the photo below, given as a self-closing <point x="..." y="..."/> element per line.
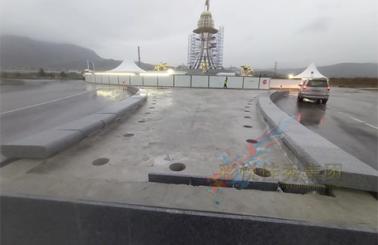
<point x="247" y="117"/>
<point x="128" y="135"/>
<point x="262" y="172"/>
<point x="100" y="161"/>
<point x="177" y="166"/>
<point x="247" y="126"/>
<point x="251" y="141"/>
<point x="141" y="121"/>
<point x="147" y="113"/>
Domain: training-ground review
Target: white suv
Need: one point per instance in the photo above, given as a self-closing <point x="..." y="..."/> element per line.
<point x="314" y="89"/>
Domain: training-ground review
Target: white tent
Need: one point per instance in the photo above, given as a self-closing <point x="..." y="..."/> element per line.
<point x="310" y="72"/>
<point x="126" y="67"/>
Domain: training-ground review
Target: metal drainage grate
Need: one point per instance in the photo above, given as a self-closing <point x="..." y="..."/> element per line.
<point x="251" y="141"/>
<point x="100" y="161"/>
<point x="177" y="166"/>
<point x="262" y="172"/>
<point x="247" y="126"/>
<point x="128" y="135"/>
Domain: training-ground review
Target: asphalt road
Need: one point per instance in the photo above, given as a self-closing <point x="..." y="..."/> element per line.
<point x="349" y="120"/>
<point x="29" y="107"/>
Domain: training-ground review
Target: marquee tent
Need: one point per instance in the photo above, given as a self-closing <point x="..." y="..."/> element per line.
<point x="126" y="67"/>
<point x="310" y="72"/>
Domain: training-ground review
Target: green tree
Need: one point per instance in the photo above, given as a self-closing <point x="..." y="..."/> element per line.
<point x="41" y="72"/>
<point x="63" y="74"/>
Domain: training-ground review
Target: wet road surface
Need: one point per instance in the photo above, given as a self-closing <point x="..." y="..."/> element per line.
<point x="349" y="120"/>
<point x="29" y="107"/>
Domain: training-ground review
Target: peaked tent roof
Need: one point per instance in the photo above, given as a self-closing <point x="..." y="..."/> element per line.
<point x="310" y="72"/>
<point x="127" y="66"/>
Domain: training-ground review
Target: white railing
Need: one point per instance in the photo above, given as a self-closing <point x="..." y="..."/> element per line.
<point x="184" y="81"/>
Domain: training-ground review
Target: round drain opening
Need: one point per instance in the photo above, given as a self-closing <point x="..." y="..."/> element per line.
<point x="251" y="141"/>
<point x="262" y="172"/>
<point x="128" y="135"/>
<point x="177" y="166"/>
<point x="100" y="161"/>
<point x="247" y="126"/>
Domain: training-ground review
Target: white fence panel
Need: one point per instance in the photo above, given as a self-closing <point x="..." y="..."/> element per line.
<point x="251" y="82"/>
<point x="136" y="80"/>
<point x="200" y="81"/>
<point x="182" y="81"/>
<point x="284" y="83"/>
<point x="150" y="81"/>
<point x="264" y="83"/>
<point x="235" y="82"/>
<point x="166" y="81"/>
<point x="113" y="79"/>
<point x="217" y="81"/>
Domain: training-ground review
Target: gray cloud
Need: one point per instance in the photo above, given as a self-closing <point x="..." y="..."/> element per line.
<point x="319" y="25"/>
<point x="292" y="32"/>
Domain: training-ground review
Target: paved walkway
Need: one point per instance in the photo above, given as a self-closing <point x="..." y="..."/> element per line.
<point x="203" y="129"/>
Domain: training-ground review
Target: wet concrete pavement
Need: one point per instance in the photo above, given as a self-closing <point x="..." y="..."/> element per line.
<point x="29" y="107"/>
<point x="349" y="120"/>
<point x="203" y="129"/>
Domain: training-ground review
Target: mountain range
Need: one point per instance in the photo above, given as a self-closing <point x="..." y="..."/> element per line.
<point x="23" y="53"/>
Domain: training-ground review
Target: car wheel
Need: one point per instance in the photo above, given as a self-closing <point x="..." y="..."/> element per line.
<point x="299" y="99"/>
<point x="325" y="101"/>
<point x="318" y="101"/>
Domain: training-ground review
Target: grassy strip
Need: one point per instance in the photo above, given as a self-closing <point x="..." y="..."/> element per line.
<point x="358" y="82"/>
<point x="42" y="75"/>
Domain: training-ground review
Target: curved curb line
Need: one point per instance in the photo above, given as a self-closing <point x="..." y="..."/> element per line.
<point x="52" y="141"/>
<point x="329" y="164"/>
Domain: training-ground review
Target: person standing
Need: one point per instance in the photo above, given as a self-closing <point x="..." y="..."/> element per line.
<point x="225" y="83"/>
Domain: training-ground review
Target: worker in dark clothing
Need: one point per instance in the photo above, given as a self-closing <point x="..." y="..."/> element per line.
<point x="225" y="83"/>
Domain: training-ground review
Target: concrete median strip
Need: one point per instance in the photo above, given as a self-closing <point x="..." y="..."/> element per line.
<point x="331" y="165"/>
<point x="52" y="141"/>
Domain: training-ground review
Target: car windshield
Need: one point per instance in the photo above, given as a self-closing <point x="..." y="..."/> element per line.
<point x="317" y="83"/>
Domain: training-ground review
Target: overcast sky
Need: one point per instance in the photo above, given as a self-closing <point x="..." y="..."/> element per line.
<point x="291" y="32"/>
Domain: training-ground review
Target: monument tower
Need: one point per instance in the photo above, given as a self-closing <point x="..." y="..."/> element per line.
<point x="205" y="30"/>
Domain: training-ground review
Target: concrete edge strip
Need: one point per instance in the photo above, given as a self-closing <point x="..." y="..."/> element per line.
<point x="316" y="151"/>
<point x="19" y="198"/>
<point x="52" y="141"/>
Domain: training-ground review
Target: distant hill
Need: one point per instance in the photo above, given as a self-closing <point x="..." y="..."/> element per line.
<point x="21" y="53"/>
<point x="348" y="70"/>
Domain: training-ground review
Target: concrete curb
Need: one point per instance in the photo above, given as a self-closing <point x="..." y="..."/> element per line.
<point x="40" y="220"/>
<point x="52" y="141"/>
<point x="329" y="164"/>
